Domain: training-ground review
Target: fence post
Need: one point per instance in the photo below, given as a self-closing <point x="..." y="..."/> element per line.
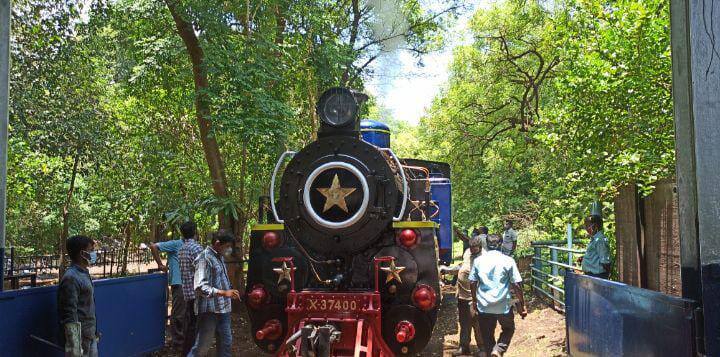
<point x="537" y="264"/>
<point x="570" y="243"/>
<point x="554" y="269"/>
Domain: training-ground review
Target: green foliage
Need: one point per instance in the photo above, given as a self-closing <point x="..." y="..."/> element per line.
<point x="109" y="84"/>
<point x="552" y="108"/>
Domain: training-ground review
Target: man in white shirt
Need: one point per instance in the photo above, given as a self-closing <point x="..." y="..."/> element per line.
<point x="492" y="278"/>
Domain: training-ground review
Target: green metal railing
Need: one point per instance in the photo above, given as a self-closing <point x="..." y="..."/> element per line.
<point x="549" y="263"/>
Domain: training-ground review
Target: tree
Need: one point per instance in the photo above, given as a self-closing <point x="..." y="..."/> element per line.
<point x="552" y="107"/>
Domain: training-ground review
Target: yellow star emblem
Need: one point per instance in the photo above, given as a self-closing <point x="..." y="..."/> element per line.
<point x="283" y="272"/>
<point x="393" y="272"/>
<point x="335" y="195"/>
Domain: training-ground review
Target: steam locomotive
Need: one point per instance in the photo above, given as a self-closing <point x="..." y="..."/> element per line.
<point x="347" y="264"/>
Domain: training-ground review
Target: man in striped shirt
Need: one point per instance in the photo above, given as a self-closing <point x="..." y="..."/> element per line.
<point x="188" y="253"/>
<point x="213" y="295"/>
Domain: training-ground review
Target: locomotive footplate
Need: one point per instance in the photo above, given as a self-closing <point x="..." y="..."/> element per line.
<point x="355" y="315"/>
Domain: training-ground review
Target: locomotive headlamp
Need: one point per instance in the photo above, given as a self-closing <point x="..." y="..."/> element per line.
<point x="337" y="107"/>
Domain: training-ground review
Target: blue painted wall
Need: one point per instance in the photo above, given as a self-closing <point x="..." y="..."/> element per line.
<point x="131" y="314"/>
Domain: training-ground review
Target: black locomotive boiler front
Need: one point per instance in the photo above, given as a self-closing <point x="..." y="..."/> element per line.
<point x="343" y="203"/>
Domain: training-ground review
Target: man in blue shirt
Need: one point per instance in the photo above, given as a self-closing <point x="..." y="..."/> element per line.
<point x="492" y="277"/>
<point x="177" y="313"/>
<point x="596" y="261"/>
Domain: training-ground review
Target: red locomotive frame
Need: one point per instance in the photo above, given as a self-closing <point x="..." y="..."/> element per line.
<point x="357" y="313"/>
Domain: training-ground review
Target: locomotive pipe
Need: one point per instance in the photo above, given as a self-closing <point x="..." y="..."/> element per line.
<point x="290" y="341"/>
<point x="270" y="331"/>
<point x="404" y="332"/>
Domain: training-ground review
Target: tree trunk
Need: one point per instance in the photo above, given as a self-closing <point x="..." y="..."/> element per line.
<point x="202" y="110"/>
<point x="210" y="145"/>
<point x="354" y="29"/>
<point x="66" y="217"/>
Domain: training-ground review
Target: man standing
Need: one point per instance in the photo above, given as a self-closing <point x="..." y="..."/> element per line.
<point x="213" y="297"/>
<point x="596" y="261"/>
<point x="177" y="313"/>
<point x="492" y="278"/>
<point x="467" y="322"/>
<point x="482" y="235"/>
<point x="480" y="232"/>
<point x="76" y="300"/>
<point x="187" y="255"/>
<point x="509" y="239"/>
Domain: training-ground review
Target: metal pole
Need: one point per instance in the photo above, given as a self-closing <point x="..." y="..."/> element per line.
<point x="569" y="236"/>
<point x="696" y="84"/>
<point x="537" y="263"/>
<point x="4" y="93"/>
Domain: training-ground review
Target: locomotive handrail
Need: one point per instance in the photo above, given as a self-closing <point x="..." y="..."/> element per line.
<point x="272" y="184"/>
<point x="405" y="184"/>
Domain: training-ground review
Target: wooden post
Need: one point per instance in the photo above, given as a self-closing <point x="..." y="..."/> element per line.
<point x="695" y="31"/>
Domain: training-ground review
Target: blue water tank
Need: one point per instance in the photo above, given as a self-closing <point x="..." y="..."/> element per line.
<point x="375" y="132"/>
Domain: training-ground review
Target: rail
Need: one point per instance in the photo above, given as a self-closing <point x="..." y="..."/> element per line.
<point x="549" y="263"/>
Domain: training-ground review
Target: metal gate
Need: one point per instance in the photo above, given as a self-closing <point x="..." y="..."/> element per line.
<point x="606" y="318"/>
<point x="131" y="314"/>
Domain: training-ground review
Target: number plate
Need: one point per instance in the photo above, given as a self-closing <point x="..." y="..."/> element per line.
<point x="332" y="303"/>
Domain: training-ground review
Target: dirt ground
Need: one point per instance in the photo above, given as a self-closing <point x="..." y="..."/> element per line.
<point x="541" y="333"/>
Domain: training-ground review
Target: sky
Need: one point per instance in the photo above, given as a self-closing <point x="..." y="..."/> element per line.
<point x="406" y="89"/>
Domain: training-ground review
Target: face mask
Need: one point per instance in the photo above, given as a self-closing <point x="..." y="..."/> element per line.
<point x="92" y="257"/>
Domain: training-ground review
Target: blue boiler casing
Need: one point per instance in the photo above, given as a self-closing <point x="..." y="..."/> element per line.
<point x="375" y="132"/>
<point x="378" y="134"/>
<point x="441" y="193"/>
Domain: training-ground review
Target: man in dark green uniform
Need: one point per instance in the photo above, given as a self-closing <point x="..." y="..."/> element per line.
<point x="596" y="261"/>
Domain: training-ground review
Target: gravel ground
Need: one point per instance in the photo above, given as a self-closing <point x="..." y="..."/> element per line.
<point x="542" y="333"/>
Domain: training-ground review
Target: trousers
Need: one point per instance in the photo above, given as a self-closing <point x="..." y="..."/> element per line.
<point x="488" y="322"/>
<point x="468" y="324"/>
<point x="189" y="328"/>
<point x="209" y="326"/>
<point x="177" y="315"/>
